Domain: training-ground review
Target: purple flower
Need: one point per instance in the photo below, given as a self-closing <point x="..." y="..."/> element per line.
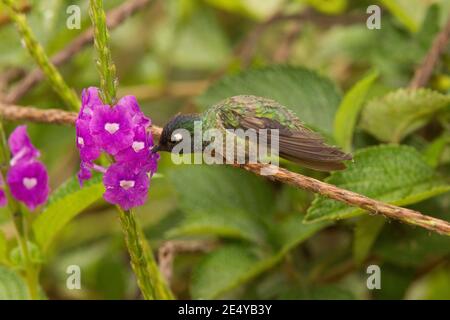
<point x="138" y="155"/>
<point x="21" y="147"/>
<point x="120" y="131"/>
<point x="112" y="128"/>
<point x="125" y="187"/>
<point x="89" y="99"/>
<point x="85" y="142"/>
<point x="28" y="183"/>
<point x="85" y="172"/>
<point x="27" y="178"/>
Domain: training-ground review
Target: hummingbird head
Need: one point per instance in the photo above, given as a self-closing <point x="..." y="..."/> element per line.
<point x="172" y="132"/>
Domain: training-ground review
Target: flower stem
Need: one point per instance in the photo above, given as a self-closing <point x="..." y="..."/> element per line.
<point x="31" y="271"/>
<point x="149" y="278"/>
<point x="105" y="64"/>
<point x="37" y="52"/>
<point x="137" y="255"/>
<point x="19" y="220"/>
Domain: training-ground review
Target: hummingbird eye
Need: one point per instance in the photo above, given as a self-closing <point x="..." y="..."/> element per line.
<point x="177" y="137"/>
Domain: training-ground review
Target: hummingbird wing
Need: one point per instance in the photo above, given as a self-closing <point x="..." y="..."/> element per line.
<point x="296" y="142"/>
<point x="301" y="145"/>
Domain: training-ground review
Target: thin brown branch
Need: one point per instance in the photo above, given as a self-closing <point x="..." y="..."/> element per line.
<point x="6" y="77"/>
<point x="50" y="116"/>
<point x="354" y="199"/>
<point x="169" y="249"/>
<point x="10" y="75"/>
<point x="425" y="71"/>
<point x="113" y="19"/>
<point x="282" y="175"/>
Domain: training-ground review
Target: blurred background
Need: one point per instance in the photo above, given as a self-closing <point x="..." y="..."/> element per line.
<point x="184" y="55"/>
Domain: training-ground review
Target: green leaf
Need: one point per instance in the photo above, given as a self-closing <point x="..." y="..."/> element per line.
<point x="12" y="286"/>
<point x="238" y="265"/>
<point x="18" y="260"/>
<point x="432" y="286"/>
<point x="347" y="114"/>
<point x="435" y="149"/>
<point x="399" y="113"/>
<point x="293" y="231"/>
<point x="366" y="232"/>
<point x="235" y="224"/>
<point x="393" y="174"/>
<point x="312" y="97"/>
<point x="408" y="247"/>
<point x="226" y="269"/>
<point x="194" y="41"/>
<point x="399" y="10"/>
<point x="65" y="203"/>
<point x="395" y="281"/>
<point x="209" y="188"/>
<point x="430" y="26"/>
<point x="438" y="288"/>
<point x="219" y="200"/>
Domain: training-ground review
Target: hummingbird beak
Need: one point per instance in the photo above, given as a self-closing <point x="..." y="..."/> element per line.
<point x="155" y="149"/>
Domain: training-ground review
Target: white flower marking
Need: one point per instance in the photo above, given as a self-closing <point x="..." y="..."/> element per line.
<point x="126" y="184"/>
<point x="138" y="146"/>
<point x="29" y="183"/>
<point x="112" y="127"/>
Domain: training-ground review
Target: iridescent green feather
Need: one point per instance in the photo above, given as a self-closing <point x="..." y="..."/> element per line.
<point x="226" y="114"/>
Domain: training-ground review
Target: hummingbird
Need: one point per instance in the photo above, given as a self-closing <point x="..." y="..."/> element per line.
<point x="297" y="143"/>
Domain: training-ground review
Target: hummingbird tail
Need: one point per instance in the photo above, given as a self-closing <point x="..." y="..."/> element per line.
<point x="315" y="164"/>
<point x="300" y="144"/>
<point x="309" y="150"/>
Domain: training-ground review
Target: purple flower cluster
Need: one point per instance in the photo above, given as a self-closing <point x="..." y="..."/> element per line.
<point x="27" y="178"/>
<point x="121" y="131"/>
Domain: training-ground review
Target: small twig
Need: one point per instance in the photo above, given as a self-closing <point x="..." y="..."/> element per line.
<point x="424" y="72"/>
<point x="282" y="175"/>
<point x="5" y="79"/>
<point x="284" y="49"/>
<point x="113" y="19"/>
<point x="51" y="116"/>
<point x="354" y="199"/>
<point x="40" y="57"/>
<point x="10" y="75"/>
<point x="247" y="46"/>
<point x="169" y="249"/>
